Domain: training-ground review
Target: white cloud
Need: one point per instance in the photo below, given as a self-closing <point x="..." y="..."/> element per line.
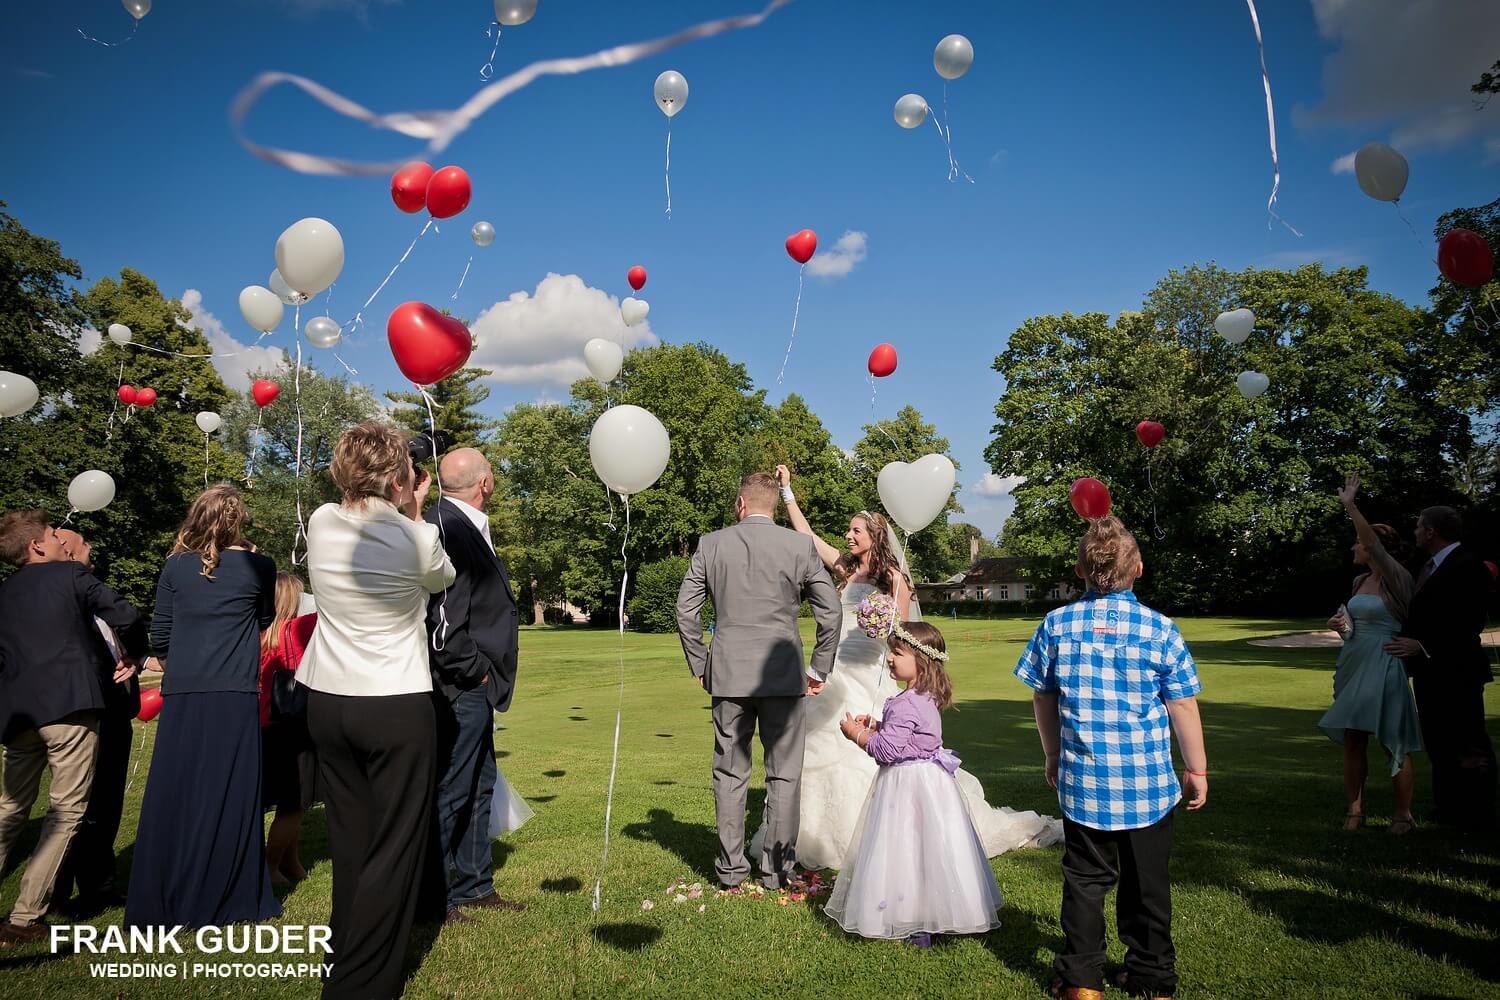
<point x="992" y="485"/>
<point x="1344" y="164"/>
<point x="841" y="258"/>
<point x="539" y="338"/>
<point x="233" y="360"/>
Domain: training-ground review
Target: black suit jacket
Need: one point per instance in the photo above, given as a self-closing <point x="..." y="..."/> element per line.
<point x="1447" y="616"/>
<point x="53" y="661"/>
<point x="481" y="611"/>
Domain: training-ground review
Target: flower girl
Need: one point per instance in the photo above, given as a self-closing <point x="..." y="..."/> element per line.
<point x="916" y="866"/>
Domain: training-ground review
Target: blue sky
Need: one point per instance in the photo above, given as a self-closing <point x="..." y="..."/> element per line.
<point x="1107" y="144"/>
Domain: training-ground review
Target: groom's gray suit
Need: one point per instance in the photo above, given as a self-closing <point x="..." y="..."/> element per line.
<point x="757" y="574"/>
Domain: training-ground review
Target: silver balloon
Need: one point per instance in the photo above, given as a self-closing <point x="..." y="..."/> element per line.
<point x="136" y="8"/>
<point x="322" y="331"/>
<point x="286" y="293"/>
<point x="671" y="92"/>
<point x="953" y="57"/>
<point x="911" y="111"/>
<point x="483" y="234"/>
<point x="512" y="12"/>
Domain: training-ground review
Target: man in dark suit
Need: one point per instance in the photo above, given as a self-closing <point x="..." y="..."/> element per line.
<point x="473" y="655"/>
<point x="53" y="669"/>
<point x="1443" y="653"/>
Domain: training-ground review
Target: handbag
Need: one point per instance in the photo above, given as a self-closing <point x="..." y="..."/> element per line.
<point x="288" y="698"/>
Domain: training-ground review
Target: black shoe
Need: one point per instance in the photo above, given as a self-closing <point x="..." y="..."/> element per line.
<point x="457" y="916"/>
<point x="493" y="902"/>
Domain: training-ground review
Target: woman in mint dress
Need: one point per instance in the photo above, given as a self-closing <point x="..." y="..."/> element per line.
<point x="1371" y="694"/>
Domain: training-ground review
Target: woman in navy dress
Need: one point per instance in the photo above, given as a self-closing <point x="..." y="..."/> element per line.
<point x="199" y="852"/>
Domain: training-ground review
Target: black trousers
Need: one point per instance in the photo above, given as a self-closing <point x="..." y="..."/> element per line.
<point x="1463" y="759"/>
<point x="377" y="771"/>
<point x="91" y="857"/>
<point x="1093" y="862"/>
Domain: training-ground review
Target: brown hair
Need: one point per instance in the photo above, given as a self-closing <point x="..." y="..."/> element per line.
<point x="1392" y="542"/>
<point x="288" y="600"/>
<point x="883" y="564"/>
<point x="367" y="459"/>
<point x="932" y="678"/>
<point x="214" y="522"/>
<point x="1445" y="522"/>
<point x="1108" y="555"/>
<point x="18" y="530"/>
<point x="759" y="491"/>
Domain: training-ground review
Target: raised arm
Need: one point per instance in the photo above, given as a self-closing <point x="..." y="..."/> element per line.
<point x="1390" y="569"/>
<point x="826" y="552"/>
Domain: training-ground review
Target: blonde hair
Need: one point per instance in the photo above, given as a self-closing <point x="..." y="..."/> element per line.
<point x="759" y="491"/>
<point x="883" y="562"/>
<point x="932" y="678"/>
<point x="1108" y="556"/>
<point x="214" y="522"/>
<point x="367" y="459"/>
<point x="288" y="600"/>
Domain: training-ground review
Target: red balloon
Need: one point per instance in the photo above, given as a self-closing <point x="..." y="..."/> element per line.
<point x="1465" y="258"/>
<point x="150" y="704"/>
<point x="448" y="192"/>
<point x="1090" y="499"/>
<point x="265" y="391"/>
<point x="882" y="360"/>
<point x="427" y="345"/>
<point x="637" y="277"/>
<point x="145" y="397"/>
<point x="1494" y="570"/>
<point x="409" y="186"/>
<point x="1150" y="433"/>
<point x="127" y="394"/>
<point x="802" y="245"/>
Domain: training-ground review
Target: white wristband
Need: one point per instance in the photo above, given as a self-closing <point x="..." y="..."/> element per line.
<point x="787" y="496"/>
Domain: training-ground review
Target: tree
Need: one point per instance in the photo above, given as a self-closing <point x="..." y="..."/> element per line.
<point x="1489" y="82"/>
<point x="931" y="551"/>
<point x="456" y="401"/>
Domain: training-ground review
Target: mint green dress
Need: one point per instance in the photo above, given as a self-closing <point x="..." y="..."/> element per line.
<point x="1371" y="693"/>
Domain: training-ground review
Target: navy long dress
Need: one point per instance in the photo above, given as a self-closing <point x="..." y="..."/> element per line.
<point x="199" y="852"/>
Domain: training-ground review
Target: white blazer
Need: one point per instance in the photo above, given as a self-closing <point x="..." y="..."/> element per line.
<point x="372" y="570"/>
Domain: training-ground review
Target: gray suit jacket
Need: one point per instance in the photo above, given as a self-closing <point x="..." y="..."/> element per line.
<point x="757" y="573"/>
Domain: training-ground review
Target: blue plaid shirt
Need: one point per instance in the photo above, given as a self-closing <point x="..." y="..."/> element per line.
<point x="1114" y="663"/>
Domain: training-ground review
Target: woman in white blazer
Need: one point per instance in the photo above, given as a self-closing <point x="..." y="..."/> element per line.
<point x="373" y="563"/>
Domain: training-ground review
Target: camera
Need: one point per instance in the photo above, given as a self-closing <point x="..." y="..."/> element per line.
<point x="426" y="446"/>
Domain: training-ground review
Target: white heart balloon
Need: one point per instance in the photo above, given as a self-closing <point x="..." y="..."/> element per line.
<point x="285" y="292"/>
<point x="604" y="358"/>
<point x="17" y="394"/>
<point x="119" y="333"/>
<point x="1252" y="384"/>
<point x="915" y="493"/>
<point x="91" y="490"/>
<point x="633" y="310"/>
<point x="1236" y="325"/>
<point x="629" y="448"/>
<point x="261" y="308"/>
<point x="1381" y="171"/>
<point x="208" y="421"/>
<point x="310" y="255"/>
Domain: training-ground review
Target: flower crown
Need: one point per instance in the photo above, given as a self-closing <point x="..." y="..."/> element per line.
<point x="921" y="647"/>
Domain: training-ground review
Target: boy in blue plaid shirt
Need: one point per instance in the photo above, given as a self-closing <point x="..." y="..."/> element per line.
<point x="1109" y="676"/>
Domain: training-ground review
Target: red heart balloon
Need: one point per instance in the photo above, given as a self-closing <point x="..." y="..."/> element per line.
<point x="409" y="186"/>
<point x="1494" y="570"/>
<point x="127" y="394"/>
<point x="882" y="360"/>
<point x="427" y="345"/>
<point x="802" y="245"/>
<point x="448" y="192"/>
<point x="145" y="397"/>
<point x="1465" y="258"/>
<point x="1090" y="498"/>
<point x="265" y="391"/>
<point x="637" y="277"/>
<point x="1150" y="433"/>
<point x="150" y="704"/>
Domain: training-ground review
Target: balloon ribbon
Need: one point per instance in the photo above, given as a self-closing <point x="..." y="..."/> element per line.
<point x="796" y="311"/>
<point x="1265" y="79"/>
<point x="359" y="317"/>
<point x="614" y="761"/>
<point x="488" y="69"/>
<point x="667" y="172"/>
<point x="301" y="534"/>
<point x="134" y="24"/>
<point x="946" y="131"/>
<point x="440" y="634"/>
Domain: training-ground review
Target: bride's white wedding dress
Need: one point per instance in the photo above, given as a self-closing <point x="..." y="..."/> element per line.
<point x="837" y="774"/>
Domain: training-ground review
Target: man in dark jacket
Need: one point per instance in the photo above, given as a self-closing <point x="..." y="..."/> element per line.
<point x="53" y="670"/>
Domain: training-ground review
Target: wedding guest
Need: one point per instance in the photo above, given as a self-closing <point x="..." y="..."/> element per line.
<point x="1110" y="675"/>
<point x="916" y="866"/>
<point x="1371" y="693"/>
<point x="288" y="764"/>
<point x="1443" y="652"/>
<point x="53" y="668"/>
<point x="373" y="562"/>
<point x="199" y="858"/>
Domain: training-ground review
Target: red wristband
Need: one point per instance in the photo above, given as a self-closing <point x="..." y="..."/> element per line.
<point x="1196" y="774"/>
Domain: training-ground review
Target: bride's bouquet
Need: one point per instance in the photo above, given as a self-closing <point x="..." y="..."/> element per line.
<point x="877" y="615"/>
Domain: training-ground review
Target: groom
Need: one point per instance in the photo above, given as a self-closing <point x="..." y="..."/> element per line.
<point x="757" y="575"/>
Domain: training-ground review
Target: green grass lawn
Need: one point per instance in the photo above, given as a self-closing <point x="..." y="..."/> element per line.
<point x="1271" y="898"/>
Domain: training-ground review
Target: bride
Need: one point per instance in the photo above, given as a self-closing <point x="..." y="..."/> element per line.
<point x="836" y="774"/>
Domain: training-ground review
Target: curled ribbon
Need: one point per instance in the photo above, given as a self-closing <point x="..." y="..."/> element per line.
<point x="1265" y="79"/>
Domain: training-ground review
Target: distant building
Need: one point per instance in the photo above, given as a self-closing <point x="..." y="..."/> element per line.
<point x="992" y="581"/>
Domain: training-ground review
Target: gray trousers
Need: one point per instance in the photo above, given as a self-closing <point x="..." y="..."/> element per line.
<point x="782" y="737"/>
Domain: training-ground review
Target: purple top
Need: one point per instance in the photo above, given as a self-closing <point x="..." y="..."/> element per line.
<point x="911" y="728"/>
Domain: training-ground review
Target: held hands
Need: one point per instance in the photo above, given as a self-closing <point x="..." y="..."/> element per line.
<point x="1196" y="787"/>
<point x="1403" y="647"/>
<point x="871" y="724"/>
<point x="1351" y="489"/>
<point x="124" y="670"/>
<point x="814" y="688"/>
<point x="851" y="728"/>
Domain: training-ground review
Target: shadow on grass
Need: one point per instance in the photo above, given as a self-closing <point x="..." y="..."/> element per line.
<point x="627" y="937"/>
<point x="561" y="885"/>
<point x="696" y="844"/>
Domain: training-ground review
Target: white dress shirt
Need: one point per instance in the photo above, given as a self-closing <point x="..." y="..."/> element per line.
<point x="477" y="517"/>
<point x="372" y="568"/>
<point x="1440" y="555"/>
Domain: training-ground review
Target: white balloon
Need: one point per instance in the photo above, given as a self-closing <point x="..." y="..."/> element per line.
<point x="1236" y="325"/>
<point x="604" y="358"/>
<point x="953" y="57"/>
<point x="1381" y="171"/>
<point x="285" y="292"/>
<point x="310" y="255"/>
<point x="915" y="493"/>
<point x="671" y="92"/>
<point x="1252" y="384"/>
<point x="91" y="490"/>
<point x="208" y="421"/>
<point x="261" y="308"/>
<point x="17" y="394"/>
<point x="911" y="110"/>
<point x="633" y="310"/>
<point x="629" y="448"/>
<point x="322" y="331"/>
<point x="119" y="333"/>
<point x="483" y="234"/>
<point x="137" y="9"/>
<point x="513" y="12"/>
